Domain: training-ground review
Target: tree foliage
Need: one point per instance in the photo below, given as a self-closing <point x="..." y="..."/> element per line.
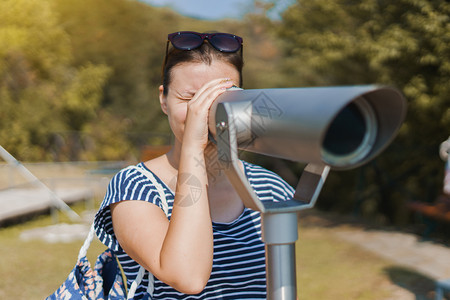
<point x="40" y="91"/>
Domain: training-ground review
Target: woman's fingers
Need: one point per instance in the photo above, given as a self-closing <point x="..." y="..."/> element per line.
<point x="210" y="91"/>
<point x="196" y="124"/>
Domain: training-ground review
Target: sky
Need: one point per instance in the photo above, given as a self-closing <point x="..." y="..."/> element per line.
<point x="214" y="9"/>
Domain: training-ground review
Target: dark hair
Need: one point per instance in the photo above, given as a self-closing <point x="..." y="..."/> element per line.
<point x="205" y="53"/>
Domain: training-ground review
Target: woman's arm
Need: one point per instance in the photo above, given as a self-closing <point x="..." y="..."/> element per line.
<point x="178" y="253"/>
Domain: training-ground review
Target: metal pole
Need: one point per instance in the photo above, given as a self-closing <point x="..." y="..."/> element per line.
<point x="279" y="233"/>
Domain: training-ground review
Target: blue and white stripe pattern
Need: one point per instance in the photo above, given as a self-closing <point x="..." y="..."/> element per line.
<point x="239" y="259"/>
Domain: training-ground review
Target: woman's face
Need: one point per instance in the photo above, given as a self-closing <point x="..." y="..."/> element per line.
<point x="187" y="79"/>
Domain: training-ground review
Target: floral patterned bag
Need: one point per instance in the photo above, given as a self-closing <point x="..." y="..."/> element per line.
<point x="104" y="281"/>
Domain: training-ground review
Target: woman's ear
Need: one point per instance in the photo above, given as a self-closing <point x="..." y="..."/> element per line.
<point x="162" y="99"/>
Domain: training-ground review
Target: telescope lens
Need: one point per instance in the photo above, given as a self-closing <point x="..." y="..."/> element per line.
<point x="351" y="135"/>
<point x="346" y="132"/>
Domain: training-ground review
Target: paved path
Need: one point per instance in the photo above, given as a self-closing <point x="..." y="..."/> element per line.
<point x="407" y="249"/>
<point x="430" y="260"/>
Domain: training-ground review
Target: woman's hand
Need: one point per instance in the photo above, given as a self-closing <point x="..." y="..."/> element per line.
<point x="196" y="124"/>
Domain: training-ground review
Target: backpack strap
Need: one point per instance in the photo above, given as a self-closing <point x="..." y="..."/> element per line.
<point x="165" y="207"/>
<point x="87" y="242"/>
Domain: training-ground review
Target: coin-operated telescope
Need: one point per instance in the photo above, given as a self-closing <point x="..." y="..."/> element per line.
<point x="326" y="127"/>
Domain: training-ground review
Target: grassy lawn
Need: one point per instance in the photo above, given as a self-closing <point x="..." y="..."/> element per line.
<point x="327" y="268"/>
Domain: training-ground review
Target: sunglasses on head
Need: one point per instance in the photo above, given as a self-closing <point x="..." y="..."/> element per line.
<point x="189" y="40"/>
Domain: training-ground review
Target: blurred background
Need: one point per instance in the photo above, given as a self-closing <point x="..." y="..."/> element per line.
<point x="79" y="86"/>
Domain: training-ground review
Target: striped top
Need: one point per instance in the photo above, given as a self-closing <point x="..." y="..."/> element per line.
<point x="239" y="257"/>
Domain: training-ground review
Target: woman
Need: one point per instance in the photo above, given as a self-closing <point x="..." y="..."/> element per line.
<point x="209" y="245"/>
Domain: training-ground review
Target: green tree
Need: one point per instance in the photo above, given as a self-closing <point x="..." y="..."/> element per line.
<point x="40" y="92"/>
<point x="130" y="37"/>
<point x="405" y="44"/>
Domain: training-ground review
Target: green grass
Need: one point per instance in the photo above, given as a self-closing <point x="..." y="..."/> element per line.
<point x="34" y="269"/>
<point x="327" y="268"/>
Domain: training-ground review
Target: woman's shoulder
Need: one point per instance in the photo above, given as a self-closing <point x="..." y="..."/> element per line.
<point x="134" y="182"/>
<point x="129" y="172"/>
<point x="131" y="175"/>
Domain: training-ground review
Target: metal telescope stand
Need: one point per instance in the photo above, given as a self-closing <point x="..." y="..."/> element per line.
<point x="279" y="219"/>
<point x="339" y="127"/>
